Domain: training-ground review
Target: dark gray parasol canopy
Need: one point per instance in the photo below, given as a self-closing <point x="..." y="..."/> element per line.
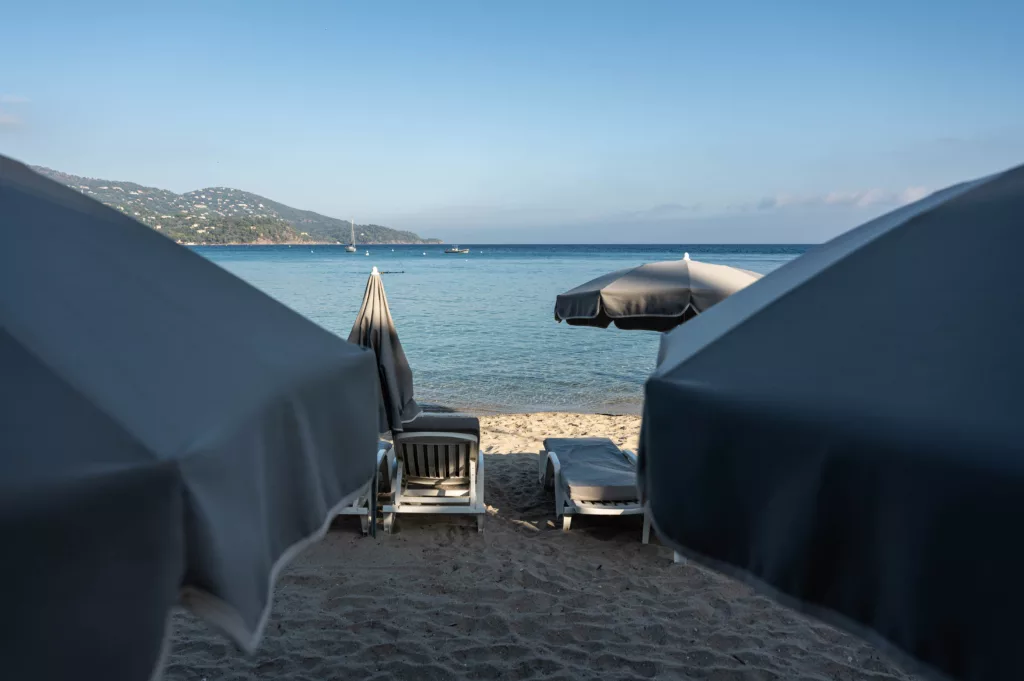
<point x="657" y="296"/>
<point x="167" y="434"/>
<point x="375" y="329"/>
<point x="847" y="434"/>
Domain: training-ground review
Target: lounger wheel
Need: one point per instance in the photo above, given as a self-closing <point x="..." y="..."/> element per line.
<point x="479" y="523"/>
<point x="389" y="522"/>
<point x="566" y="522"/>
<point x="364" y="524"/>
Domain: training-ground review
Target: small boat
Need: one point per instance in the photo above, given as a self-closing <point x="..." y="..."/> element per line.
<point x="456" y="249"/>
<point x="367" y="253"/>
<point x="351" y="248"/>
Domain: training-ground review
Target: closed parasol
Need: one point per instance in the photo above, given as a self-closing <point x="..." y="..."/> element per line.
<point x="375" y="329"/>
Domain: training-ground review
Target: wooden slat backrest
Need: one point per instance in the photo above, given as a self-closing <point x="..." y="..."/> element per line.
<point x="436" y="455"/>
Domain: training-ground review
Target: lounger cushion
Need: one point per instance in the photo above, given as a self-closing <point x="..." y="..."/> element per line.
<point x="444" y="423"/>
<point x="594" y="469"/>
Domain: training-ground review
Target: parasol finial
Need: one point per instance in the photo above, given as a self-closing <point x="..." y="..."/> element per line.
<point x="686" y="256"/>
<point x="374" y="271"/>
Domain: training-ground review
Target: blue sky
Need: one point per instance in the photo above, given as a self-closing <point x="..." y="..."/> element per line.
<point x="528" y="121"/>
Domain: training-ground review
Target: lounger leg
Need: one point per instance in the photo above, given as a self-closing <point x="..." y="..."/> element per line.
<point x="647" y="527"/>
<point x="396" y="499"/>
<point x="566" y="522"/>
<point x="480" y="491"/>
<point x="373" y="502"/>
<point x="364" y="505"/>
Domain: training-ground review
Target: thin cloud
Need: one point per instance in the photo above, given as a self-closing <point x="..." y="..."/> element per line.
<point x="911" y="194"/>
<point x="860" y="199"/>
<point x="665" y="211"/>
<point x="13" y="99"/>
<point x="8" y="120"/>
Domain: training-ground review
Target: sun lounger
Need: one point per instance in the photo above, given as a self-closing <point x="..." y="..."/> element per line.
<point x="365" y="505"/>
<point x="437" y="468"/>
<point x="591" y="476"/>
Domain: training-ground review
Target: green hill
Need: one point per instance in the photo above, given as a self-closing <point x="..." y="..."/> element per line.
<point x="221" y="215"/>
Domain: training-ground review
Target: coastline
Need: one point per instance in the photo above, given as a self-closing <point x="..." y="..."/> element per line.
<point x="485" y="411"/>
<point x="524" y="600"/>
<point x="315" y="243"/>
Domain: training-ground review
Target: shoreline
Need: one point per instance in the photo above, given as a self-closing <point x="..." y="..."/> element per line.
<point x="314" y="243"/>
<point x="479" y="411"/>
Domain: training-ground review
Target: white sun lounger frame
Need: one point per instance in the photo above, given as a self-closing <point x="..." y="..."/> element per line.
<point x="550" y="473"/>
<point x="362" y="506"/>
<point x="460" y="494"/>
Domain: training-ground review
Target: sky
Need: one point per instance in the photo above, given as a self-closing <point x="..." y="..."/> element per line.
<point x="528" y="121"/>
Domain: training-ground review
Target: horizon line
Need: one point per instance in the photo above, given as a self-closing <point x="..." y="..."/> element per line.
<point x="524" y="243"/>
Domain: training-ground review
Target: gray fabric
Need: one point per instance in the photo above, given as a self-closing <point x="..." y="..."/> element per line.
<point x="165" y="429"/>
<point x="853" y="432"/>
<point x="445" y="423"/>
<point x="375" y="329"/>
<point x="594" y="469"/>
<point x="657" y="296"/>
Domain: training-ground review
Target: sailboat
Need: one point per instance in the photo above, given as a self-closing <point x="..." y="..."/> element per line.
<point x="351" y="248"/>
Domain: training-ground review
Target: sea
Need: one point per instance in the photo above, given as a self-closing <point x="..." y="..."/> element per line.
<point x="479" y="329"/>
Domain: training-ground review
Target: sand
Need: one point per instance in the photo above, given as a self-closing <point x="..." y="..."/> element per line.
<point x="522" y="600"/>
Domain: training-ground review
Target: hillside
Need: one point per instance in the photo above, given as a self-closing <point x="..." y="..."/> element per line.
<point x="221" y="215"/>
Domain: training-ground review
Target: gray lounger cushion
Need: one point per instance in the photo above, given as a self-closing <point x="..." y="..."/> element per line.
<point x="594" y="469"/>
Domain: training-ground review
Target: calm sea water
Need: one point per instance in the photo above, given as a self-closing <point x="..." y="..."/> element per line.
<point x="479" y="329"/>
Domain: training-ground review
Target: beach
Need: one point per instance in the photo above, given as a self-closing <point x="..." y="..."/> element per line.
<point x="522" y="600"/>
